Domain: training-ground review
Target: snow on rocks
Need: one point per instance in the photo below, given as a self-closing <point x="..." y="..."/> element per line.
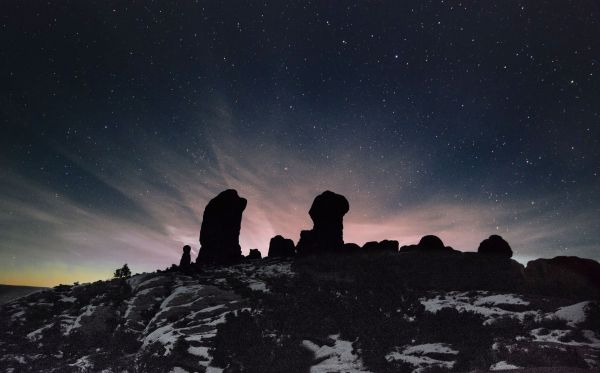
<point x="83" y="363"/>
<point x="37" y="334"/>
<point x="503" y="365"/>
<point x="480" y="303"/>
<point x="574" y="314"/>
<point x="189" y="311"/>
<point x="87" y="312"/>
<point x="560" y="336"/>
<point x="500" y="299"/>
<point x="178" y="370"/>
<point x="254" y="276"/>
<point x="337" y="358"/>
<point x="161" y="311"/>
<point x="417" y="356"/>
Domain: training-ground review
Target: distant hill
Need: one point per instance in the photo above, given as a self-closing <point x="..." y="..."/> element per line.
<point x="11" y="292"/>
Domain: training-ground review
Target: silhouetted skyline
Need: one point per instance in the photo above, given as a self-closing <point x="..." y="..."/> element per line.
<point x="121" y="121"/>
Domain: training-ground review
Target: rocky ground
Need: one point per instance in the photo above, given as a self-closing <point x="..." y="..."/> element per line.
<point x="278" y="315"/>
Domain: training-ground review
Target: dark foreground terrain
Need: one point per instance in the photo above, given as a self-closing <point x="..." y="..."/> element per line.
<point x="381" y="313"/>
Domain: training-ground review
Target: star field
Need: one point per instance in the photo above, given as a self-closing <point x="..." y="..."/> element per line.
<point x="121" y="120"/>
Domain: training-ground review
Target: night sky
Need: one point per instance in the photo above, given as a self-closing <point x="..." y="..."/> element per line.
<point x="121" y="120"/>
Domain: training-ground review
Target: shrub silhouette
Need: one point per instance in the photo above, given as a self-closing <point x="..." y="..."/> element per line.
<point x="122" y="272"/>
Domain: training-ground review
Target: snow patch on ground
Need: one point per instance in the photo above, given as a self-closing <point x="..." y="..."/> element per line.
<point x="178" y="370"/>
<point x="17" y="315"/>
<point x="37" y="334"/>
<point x="501" y="299"/>
<point x="417" y="356"/>
<point x="573" y="314"/>
<point x="88" y="311"/>
<point x="503" y="365"/>
<point x="136" y="280"/>
<point x="210" y="309"/>
<point x="556" y="336"/>
<point x="83" y="363"/>
<point x="482" y="304"/>
<point x="337" y="358"/>
<point x="427" y="348"/>
<point x="199" y="351"/>
<point x="166" y="335"/>
<point x="258" y="286"/>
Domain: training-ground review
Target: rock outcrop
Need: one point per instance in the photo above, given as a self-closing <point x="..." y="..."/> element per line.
<point x="351" y="247"/>
<point x="254" y="254"/>
<point x="220" y="231"/>
<point x="495" y="246"/>
<point x="186" y="258"/>
<point x="327" y="213"/>
<point x="281" y="247"/>
<point x="385" y="245"/>
<point x="564" y="276"/>
<point x="428" y="244"/>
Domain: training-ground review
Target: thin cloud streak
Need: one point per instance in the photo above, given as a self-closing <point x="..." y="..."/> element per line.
<point x="175" y="187"/>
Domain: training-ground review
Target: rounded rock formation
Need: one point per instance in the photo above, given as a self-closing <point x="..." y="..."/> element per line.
<point x="282" y="247"/>
<point x="495" y="246"/>
<point x="186" y="258"/>
<point x="385" y="245"/>
<point x="351" y="247"/>
<point x="565" y="276"/>
<point x="254" y="254"/>
<point x="428" y="244"/>
<point x="327" y="213"/>
<point x="220" y="231"/>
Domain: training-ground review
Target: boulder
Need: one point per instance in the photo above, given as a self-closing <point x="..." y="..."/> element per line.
<point x="409" y="248"/>
<point x="254" y="254"/>
<point x="280" y="246"/>
<point x="327" y="213"/>
<point x="385" y="245"/>
<point x="220" y="231"/>
<point x="186" y="258"/>
<point x="495" y="246"/>
<point x="351" y="247"/>
<point x="567" y="276"/>
<point x="428" y="244"/>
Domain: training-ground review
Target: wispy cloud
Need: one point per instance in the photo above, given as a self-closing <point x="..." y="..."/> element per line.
<point x="151" y="205"/>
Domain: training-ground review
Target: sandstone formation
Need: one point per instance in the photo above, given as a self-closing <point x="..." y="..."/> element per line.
<point x="565" y="276"/>
<point x="327" y="213"/>
<point x="281" y="247"/>
<point x="186" y="259"/>
<point x="385" y="245"/>
<point x="495" y="246"/>
<point x="220" y="231"/>
<point x="351" y="247"/>
<point x="254" y="254"/>
<point x="428" y="244"/>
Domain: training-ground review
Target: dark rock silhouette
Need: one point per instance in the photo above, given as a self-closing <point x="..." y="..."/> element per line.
<point x="254" y="254"/>
<point x="281" y="247"/>
<point x="431" y="243"/>
<point x="428" y="244"/>
<point x="564" y="276"/>
<point x="495" y="246"/>
<point x="220" y="231"/>
<point x="327" y="213"/>
<point x="351" y="247"/>
<point x="186" y="258"/>
<point x="409" y="248"/>
<point x="385" y="245"/>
